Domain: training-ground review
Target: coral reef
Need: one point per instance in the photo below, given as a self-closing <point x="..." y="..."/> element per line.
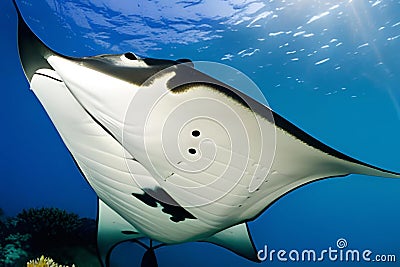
<point x="61" y="235"/>
<point x="48" y="226"/>
<point x="13" y="248"/>
<point x="45" y="262"/>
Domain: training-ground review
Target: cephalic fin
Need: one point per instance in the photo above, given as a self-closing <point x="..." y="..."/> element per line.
<point x="236" y="239"/>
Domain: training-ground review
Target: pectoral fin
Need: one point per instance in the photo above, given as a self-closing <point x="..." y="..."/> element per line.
<point x="112" y="230"/>
<point x="237" y="239"/>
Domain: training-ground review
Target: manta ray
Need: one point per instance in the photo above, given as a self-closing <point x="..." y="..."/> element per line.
<point x="173" y="154"/>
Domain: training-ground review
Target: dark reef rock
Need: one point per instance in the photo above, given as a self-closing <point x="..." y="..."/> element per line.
<point x="61" y="235"/>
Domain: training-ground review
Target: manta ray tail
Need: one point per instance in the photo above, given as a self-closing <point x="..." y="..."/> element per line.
<point x="149" y="258"/>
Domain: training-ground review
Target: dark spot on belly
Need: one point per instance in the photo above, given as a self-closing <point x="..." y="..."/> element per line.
<point x="169" y="205"/>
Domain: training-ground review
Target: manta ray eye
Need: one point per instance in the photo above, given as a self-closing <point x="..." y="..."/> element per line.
<point x="130" y="56"/>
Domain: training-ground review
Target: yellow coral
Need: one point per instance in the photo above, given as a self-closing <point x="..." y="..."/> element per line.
<point x="44" y="262"/>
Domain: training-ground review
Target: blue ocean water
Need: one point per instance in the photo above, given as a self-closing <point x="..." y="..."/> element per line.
<point x="330" y="67"/>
